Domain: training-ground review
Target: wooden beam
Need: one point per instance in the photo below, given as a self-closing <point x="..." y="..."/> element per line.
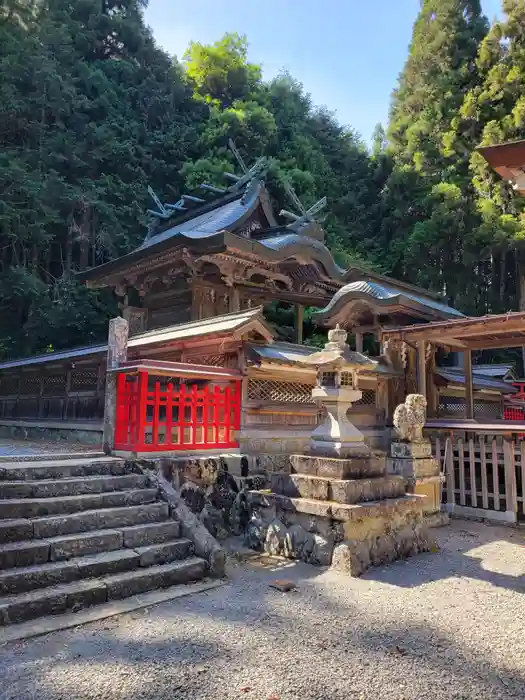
<point x="359" y="341"/>
<point x="496" y="344"/>
<point x="299" y="317"/>
<point x="469" y="392"/>
<point x="422" y="367"/>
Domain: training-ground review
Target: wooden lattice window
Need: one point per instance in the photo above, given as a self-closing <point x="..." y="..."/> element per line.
<point x="55" y="385"/>
<point x="9" y="385"/>
<point x="85" y="380"/>
<point x="368" y="398"/>
<point x="30" y="384"/>
<point x="489" y="409"/>
<point x="279" y="392"/>
<point x="451" y="406"/>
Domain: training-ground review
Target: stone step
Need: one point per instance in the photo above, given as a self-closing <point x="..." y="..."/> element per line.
<point x="150" y="533"/>
<point x="34" y="507"/>
<point x="14" y="530"/>
<point x="336" y="468"/>
<point x="60" y="469"/>
<point x="62" y="548"/>
<point x="164" y="552"/>
<point x="102" y="519"/>
<point x="339" y="490"/>
<point x="160" y="576"/>
<point x="408" y="505"/>
<point x="79" y="594"/>
<point x="71" y="486"/>
<point x="26" y="578"/>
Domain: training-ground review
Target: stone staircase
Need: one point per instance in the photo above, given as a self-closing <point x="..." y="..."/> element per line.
<point x="77" y="532"/>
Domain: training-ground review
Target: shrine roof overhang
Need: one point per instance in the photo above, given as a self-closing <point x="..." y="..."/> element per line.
<point x="233" y="326"/>
<point x="275" y="249"/>
<point x="508" y="160"/>
<point x="382" y="299"/>
<point x="358" y="273"/>
<point x="480" y="382"/>
<point x="291" y="354"/>
<point x="478" y="333"/>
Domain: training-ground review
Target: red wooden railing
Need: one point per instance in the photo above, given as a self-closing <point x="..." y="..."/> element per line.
<point x="153" y="416"/>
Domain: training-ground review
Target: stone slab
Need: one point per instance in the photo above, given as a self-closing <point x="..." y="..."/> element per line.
<point x="161" y="576"/>
<point x="354" y="557"/>
<point x="52" y="600"/>
<point x="21" y="579"/>
<point x="416" y="450"/>
<point x="82" y="544"/>
<point x="58" y="469"/>
<point x="24" y="553"/>
<point x="106" y="563"/>
<point x="164" y="552"/>
<point x="71" y="486"/>
<point x="15" y="530"/>
<point x="341" y="511"/>
<point x="45" y="625"/>
<point x="106" y="518"/>
<point x="335" y="468"/>
<point x="410" y="467"/>
<point x="150" y="533"/>
<point x="339" y="490"/>
<point x="36" y="507"/>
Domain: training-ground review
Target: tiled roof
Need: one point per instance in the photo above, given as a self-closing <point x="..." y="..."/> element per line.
<point x="206" y="224"/>
<point x="383" y="292"/>
<point x="479" y="381"/>
<point x="228" y="323"/>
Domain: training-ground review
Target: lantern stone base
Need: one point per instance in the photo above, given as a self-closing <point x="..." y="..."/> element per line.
<point x="346" y="513"/>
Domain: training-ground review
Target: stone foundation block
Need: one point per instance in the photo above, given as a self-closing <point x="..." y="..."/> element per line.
<point x="334" y="468"/>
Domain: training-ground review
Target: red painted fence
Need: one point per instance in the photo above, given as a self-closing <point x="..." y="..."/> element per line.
<point x="154" y="415"/>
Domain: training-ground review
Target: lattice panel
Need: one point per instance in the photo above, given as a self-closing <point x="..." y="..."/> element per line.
<point x="368" y="398"/>
<point x="55" y="385"/>
<point x="454" y="406"/>
<point x="451" y="406"/>
<point x="29" y="384"/>
<point x="279" y="392"/>
<point x="8" y="386"/>
<point x="84" y="381"/>
<point x="490" y="409"/>
<point x="212" y="360"/>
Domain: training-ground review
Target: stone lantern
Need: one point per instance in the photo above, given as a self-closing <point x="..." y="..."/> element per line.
<point x="336" y="390"/>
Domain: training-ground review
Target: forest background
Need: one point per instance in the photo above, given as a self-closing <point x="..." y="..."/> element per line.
<point x="92" y="111"/>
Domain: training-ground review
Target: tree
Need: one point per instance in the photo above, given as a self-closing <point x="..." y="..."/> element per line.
<point x="430" y="179"/>
<point x="91" y="113"/>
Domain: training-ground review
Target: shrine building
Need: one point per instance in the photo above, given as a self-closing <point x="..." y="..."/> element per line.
<point x="197" y="292"/>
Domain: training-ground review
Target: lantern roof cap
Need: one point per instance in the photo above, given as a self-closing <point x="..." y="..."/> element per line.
<point x="337" y="354"/>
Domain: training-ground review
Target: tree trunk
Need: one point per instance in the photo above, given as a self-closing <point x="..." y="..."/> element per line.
<point x="521" y="300"/>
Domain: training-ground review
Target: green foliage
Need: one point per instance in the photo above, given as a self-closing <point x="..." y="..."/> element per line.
<point x="92" y="111"/>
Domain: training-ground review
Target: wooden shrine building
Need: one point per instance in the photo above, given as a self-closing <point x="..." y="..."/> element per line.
<point x="196" y="292"/>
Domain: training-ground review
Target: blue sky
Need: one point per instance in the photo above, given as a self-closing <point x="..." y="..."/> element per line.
<point x="347" y="53"/>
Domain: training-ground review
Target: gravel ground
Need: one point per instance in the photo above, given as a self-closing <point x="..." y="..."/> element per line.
<point x="443" y="625"/>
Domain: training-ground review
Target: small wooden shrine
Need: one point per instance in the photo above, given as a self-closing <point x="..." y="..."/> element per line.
<point x="196" y="291"/>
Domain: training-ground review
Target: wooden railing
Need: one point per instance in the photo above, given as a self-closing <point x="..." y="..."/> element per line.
<point x="158" y="416"/>
<point x="483" y="477"/>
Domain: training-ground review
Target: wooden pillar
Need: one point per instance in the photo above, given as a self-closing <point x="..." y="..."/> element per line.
<point x="433" y="398"/>
<point x="358" y="341"/>
<point x="299" y="318"/>
<point x="469" y="392"/>
<point x="235" y="299"/>
<point x="117" y="353"/>
<point x="422" y="367"/>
